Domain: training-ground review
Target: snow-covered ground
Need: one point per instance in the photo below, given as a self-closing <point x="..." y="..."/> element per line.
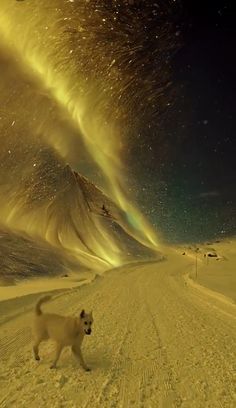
<point x="42" y="285"/>
<point x="218" y="272"/>
<point x="157" y="341"/>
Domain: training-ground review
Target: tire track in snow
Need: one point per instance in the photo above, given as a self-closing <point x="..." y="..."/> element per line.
<point x="106" y="386"/>
<point x="165" y="382"/>
<point x="132" y="379"/>
<point x="118" y="388"/>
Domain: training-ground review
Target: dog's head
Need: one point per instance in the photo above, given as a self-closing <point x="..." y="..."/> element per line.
<point x="87" y="321"/>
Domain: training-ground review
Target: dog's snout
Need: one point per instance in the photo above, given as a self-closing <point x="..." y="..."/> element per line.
<point x="89" y="331"/>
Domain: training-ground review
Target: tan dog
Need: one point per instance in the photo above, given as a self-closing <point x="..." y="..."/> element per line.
<point x="64" y="330"/>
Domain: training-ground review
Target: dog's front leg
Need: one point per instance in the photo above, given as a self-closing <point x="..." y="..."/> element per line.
<point x="77" y="352"/>
<point x="59" y="348"/>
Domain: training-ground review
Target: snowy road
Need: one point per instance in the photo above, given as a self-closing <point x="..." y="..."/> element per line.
<point x="157" y="342"/>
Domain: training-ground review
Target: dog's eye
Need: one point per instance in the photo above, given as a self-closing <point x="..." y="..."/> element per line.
<point x="85" y="322"/>
<point x="90" y="323"/>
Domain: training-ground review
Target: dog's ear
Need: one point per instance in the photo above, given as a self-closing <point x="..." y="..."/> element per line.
<point x="82" y="314"/>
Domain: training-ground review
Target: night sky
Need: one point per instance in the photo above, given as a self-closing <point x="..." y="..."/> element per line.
<point x="159" y="77"/>
<point x="188" y="172"/>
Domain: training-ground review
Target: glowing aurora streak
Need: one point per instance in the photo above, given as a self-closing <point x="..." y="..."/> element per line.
<point x="34" y="34"/>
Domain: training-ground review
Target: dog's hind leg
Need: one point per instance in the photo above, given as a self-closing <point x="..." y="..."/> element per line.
<point x="77" y="352"/>
<point x="59" y="348"/>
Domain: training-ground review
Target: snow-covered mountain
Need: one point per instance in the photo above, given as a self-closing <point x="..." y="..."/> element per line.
<point x="61" y="217"/>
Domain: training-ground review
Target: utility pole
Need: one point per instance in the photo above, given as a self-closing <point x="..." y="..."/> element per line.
<point x="197" y="249"/>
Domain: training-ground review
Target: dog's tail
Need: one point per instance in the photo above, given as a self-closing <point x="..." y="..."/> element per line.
<point x="38" y="310"/>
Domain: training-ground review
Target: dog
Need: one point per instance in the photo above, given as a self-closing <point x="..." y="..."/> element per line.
<point x="64" y="330"/>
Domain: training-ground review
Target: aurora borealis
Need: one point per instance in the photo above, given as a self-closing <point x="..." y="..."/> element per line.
<point x="117" y="91"/>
